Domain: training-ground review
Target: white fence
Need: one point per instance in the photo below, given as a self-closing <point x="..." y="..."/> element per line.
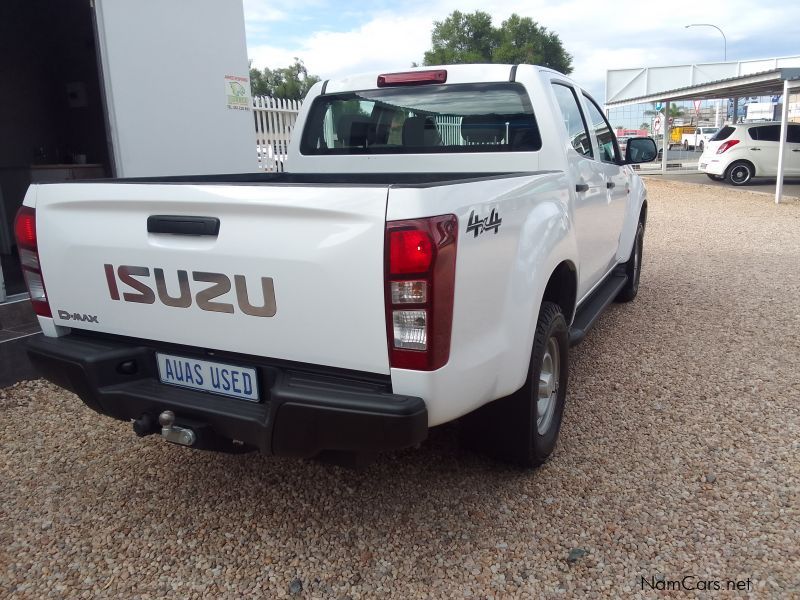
<point x="274" y="120"/>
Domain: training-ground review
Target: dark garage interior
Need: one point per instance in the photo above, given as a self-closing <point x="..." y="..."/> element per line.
<point x="51" y="108"/>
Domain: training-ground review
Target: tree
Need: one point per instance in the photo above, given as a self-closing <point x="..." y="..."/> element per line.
<point x="462" y="39"/>
<point x="675" y="111"/>
<point x="292" y="82"/>
<point x="522" y="40"/>
<point x="471" y="38"/>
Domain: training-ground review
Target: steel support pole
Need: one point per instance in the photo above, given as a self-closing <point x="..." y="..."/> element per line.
<point x="782" y="147"/>
<point x="665" y="143"/>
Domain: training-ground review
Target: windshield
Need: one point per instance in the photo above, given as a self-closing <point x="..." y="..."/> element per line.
<point x="493" y="117"/>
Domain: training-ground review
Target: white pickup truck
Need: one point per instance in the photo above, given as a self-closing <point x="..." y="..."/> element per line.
<point x="441" y="239"/>
<point x="697" y="138"/>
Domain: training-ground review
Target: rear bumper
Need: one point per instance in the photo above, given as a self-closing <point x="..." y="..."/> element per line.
<point x="714" y="166"/>
<point x="303" y="411"/>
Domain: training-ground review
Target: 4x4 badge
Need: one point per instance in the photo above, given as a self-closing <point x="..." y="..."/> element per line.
<point x="477" y="226"/>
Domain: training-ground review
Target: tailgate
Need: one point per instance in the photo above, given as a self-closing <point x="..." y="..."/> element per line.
<point x="318" y="249"/>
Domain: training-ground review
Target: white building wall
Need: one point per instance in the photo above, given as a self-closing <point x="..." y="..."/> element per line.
<point x="164" y="65"/>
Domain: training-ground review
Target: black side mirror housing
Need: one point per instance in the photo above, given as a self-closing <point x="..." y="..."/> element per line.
<point x="640" y="150"/>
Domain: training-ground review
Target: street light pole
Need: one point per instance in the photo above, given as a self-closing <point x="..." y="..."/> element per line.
<point x="724" y="39"/>
<point x="724" y="58"/>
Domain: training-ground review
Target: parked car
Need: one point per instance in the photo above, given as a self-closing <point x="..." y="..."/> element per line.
<point x="737" y="153"/>
<point x="698" y="138"/>
<point x="401" y="276"/>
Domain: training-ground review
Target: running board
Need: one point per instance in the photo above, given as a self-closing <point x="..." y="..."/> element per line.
<point x="594" y="306"/>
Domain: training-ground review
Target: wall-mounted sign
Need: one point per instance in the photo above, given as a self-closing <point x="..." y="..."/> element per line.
<point x="237" y="92"/>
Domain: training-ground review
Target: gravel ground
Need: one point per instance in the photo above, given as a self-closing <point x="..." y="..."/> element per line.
<point x="678" y="456"/>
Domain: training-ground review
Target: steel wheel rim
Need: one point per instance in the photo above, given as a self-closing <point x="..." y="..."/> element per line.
<point x="549" y="376"/>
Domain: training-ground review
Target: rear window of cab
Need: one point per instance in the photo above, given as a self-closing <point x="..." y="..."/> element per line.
<point x="424" y="119"/>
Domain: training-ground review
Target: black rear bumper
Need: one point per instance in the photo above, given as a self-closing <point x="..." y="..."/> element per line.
<point x="303" y="411"/>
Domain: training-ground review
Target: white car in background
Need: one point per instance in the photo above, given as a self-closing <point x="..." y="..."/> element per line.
<point x="698" y="139"/>
<point x="737" y="153"/>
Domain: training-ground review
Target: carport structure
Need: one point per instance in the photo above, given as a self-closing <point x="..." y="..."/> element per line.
<point x="638" y="86"/>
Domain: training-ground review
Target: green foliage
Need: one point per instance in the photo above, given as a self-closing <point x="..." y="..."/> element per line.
<point x="674" y="110"/>
<point x="462" y="38"/>
<point x="292" y="82"/>
<point x="471" y="38"/>
<point x="524" y="41"/>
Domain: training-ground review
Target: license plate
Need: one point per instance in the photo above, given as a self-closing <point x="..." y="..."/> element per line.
<point x="208" y="376"/>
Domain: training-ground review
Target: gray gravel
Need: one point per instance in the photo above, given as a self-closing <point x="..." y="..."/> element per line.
<point x="678" y="456"/>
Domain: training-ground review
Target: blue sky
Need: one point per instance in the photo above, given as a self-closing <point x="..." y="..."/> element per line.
<point x="345" y="37"/>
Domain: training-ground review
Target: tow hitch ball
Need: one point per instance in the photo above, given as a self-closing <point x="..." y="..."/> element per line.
<point x="171" y="433"/>
<point x="145" y="425"/>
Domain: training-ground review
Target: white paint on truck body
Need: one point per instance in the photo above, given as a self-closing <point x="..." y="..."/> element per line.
<point x="323" y="249"/>
<point x="323" y="245"/>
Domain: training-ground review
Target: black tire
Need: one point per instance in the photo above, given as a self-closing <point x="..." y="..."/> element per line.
<point x="633" y="268"/>
<point x="685" y="145"/>
<point x="739" y="173"/>
<point x="714" y="177"/>
<point x="701" y="145"/>
<point x="509" y="428"/>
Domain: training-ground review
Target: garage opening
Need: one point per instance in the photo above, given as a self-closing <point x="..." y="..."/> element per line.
<point x="52" y="117"/>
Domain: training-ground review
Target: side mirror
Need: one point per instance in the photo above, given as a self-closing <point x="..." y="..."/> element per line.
<point x="640" y="150"/>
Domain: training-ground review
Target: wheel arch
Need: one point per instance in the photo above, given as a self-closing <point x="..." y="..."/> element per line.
<point x="740" y="161"/>
<point x="562" y="288"/>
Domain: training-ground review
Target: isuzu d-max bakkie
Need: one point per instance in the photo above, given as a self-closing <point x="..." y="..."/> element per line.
<point x="441" y="238"/>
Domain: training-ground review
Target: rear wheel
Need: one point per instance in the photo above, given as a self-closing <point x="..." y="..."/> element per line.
<point x="685" y="145"/>
<point x="739" y="173"/>
<point x="633" y="268"/>
<point x="523" y="428"/>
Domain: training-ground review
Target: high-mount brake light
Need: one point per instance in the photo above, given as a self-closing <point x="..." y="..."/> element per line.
<point x="412" y="78"/>
<point x="420" y="279"/>
<point x="25" y="232"/>
<point x="726" y="146"/>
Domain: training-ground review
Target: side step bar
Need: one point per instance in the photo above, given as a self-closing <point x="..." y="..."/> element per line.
<point x="594" y="306"/>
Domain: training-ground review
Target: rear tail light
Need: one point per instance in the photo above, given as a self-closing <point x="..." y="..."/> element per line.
<point x="420" y="276"/>
<point x="412" y="78"/>
<point x="25" y="232"/>
<point x="726" y="145"/>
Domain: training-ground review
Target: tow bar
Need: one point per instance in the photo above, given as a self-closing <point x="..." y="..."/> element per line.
<point x="177" y="435"/>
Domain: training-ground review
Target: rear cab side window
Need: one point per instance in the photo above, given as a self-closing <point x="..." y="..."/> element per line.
<point x="572" y="117"/>
<point x="606" y="139"/>
<point x="793" y="135"/>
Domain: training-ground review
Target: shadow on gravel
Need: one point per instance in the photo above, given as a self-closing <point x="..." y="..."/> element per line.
<point x="429" y="485"/>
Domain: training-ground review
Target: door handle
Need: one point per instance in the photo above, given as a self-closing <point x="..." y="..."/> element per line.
<point x="796" y="150"/>
<point x="755" y="148"/>
<point x="610" y="185"/>
<point x="582" y="187"/>
<point x="180" y="225"/>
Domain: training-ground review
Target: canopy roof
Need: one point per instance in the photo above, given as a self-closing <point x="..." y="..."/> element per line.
<point x="763" y="83"/>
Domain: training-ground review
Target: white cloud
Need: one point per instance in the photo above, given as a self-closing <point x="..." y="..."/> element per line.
<point x="385" y="42"/>
<point x="600" y="35"/>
